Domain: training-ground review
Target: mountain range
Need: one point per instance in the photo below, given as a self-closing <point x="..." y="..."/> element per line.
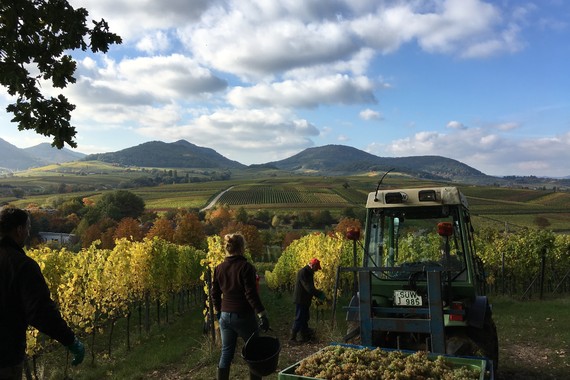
<point x="343" y="160"/>
<point x="324" y="160"/>
<point x="13" y="158"/>
<point x="328" y="159"/>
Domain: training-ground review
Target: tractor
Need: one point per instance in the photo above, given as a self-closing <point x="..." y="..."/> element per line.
<point x="421" y="285"/>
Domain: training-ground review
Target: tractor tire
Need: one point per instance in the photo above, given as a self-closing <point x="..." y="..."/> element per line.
<point x="486" y="339"/>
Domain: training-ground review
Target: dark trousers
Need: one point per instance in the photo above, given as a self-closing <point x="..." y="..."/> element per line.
<point x="302" y="316"/>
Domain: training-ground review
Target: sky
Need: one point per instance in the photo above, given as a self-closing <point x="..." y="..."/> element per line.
<point x="482" y="82"/>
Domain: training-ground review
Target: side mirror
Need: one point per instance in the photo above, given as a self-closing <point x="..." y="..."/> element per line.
<point x="445" y="229"/>
<point x="353" y="233"/>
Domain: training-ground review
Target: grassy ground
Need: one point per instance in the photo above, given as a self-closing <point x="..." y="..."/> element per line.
<point x="533" y="338"/>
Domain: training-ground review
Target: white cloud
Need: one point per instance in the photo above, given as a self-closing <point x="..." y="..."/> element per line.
<point x="249" y="136"/>
<point x="265" y="47"/>
<point x="143" y="81"/>
<point x="337" y="89"/>
<point x="455" y="125"/>
<point x="486" y="151"/>
<point x="369" y="114"/>
<point x="448" y="26"/>
<point x="507" y="126"/>
<point x="131" y="19"/>
<point x="152" y="43"/>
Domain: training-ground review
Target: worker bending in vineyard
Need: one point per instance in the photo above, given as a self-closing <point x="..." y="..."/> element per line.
<point x="304" y="292"/>
<point x="236" y="301"/>
<point x="25" y="298"/>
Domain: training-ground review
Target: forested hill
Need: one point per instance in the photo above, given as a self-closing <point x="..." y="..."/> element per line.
<point x="325" y="160"/>
<point x="179" y="154"/>
<point x="13" y="158"/>
<point x="341" y="159"/>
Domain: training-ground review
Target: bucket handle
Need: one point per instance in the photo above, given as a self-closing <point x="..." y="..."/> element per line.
<point x="258" y="331"/>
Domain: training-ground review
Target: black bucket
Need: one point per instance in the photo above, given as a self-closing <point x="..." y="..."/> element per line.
<point x="261" y="354"/>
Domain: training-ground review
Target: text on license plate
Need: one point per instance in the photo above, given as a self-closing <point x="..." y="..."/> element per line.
<point x="407" y="298"/>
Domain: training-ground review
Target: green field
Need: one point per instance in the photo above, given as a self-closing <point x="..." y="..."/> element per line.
<point x="279" y="192"/>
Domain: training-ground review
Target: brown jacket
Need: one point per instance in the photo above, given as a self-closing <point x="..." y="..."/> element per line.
<point x="234" y="287"/>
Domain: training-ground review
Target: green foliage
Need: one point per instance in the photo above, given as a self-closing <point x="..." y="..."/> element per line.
<point x="120" y="204"/>
<point x="97" y="285"/>
<point x="332" y="250"/>
<point x="40" y="33"/>
<point x="522" y="253"/>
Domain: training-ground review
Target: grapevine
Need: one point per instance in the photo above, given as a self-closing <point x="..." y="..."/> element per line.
<point x="96" y="286"/>
<point x="332" y="251"/>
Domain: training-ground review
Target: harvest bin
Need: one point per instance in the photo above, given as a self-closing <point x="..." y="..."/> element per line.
<point x="484" y="365"/>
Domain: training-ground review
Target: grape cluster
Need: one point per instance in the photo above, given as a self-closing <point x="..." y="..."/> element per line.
<point x="347" y="363"/>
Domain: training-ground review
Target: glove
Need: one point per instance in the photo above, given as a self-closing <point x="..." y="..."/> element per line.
<point x="77" y="349"/>
<point x="321" y="296"/>
<point x="263" y="321"/>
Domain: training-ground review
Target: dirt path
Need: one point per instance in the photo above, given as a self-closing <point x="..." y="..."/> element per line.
<point x="213" y="202"/>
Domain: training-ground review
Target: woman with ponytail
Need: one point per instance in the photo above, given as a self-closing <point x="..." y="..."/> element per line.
<point x="236" y="301"/>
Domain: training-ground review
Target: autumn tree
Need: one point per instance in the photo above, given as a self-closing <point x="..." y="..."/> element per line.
<point x="241" y="215"/>
<point x="162" y="228"/>
<point x="128" y="228"/>
<point x="290" y="237"/>
<point x="102" y="230"/>
<point x="91" y="233"/>
<point x="35" y="40"/>
<point x="251" y="234"/>
<point x="189" y="230"/>
<point x="345" y="223"/>
<point x="219" y="217"/>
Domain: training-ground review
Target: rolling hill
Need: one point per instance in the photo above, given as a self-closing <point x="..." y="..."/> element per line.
<point x="47" y="154"/>
<point x="344" y="160"/>
<point x="179" y="154"/>
<point x="13" y="158"/>
<point x="328" y="160"/>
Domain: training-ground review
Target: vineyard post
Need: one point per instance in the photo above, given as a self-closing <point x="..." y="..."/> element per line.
<point x="210" y="304"/>
<point x="354" y="263"/>
<point x="542" y="269"/>
<point x="503" y="258"/>
<point x="129" y="330"/>
<point x="335" y="296"/>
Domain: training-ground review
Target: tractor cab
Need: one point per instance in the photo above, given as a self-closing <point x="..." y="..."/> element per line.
<point x="421" y="285"/>
<point x="417" y="230"/>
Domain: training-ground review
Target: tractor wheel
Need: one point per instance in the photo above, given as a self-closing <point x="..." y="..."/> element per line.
<point x="486" y="339"/>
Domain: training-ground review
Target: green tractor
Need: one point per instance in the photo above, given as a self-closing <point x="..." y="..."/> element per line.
<point x="421" y="285"/>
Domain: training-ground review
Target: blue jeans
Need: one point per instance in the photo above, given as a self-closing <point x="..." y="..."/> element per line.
<point x="302" y="315"/>
<point x="233" y="325"/>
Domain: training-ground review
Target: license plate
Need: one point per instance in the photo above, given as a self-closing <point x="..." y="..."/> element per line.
<point x="407" y="298"/>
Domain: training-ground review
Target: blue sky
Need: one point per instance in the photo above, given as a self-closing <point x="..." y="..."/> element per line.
<point x="482" y="82"/>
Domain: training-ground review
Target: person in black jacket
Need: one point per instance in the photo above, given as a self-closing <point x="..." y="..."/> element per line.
<point x="25" y="298"/>
<point x="236" y="301"/>
<point x="304" y="292"/>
